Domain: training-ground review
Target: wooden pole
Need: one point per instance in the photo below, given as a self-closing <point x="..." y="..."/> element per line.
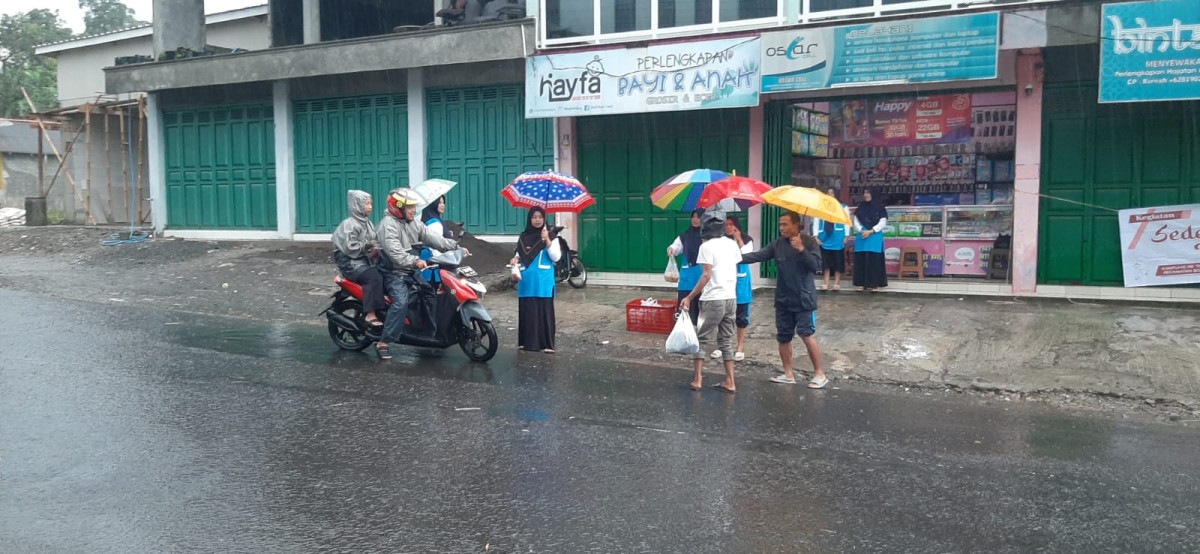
<point x="141" y="155"/>
<point x="87" y="124"/>
<point x="41" y="165"/>
<point x="124" y="161"/>
<point x="61" y="162"/>
<point x="108" y="164"/>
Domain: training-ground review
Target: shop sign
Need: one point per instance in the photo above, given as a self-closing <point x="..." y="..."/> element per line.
<point x="1161" y="246"/>
<point x="910" y="51"/>
<point x="672" y="77"/>
<point x="967" y="257"/>
<point x="914" y="120"/>
<point x="1150" y="51"/>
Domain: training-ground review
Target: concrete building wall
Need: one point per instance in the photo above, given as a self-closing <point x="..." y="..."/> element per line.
<point x="80" y="70"/>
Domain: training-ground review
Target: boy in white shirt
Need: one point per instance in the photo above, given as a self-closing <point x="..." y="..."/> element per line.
<point x="719" y="257"/>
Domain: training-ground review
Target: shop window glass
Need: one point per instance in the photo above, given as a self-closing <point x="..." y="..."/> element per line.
<point x="621" y="16"/>
<point x="830" y="5"/>
<point x="680" y="13"/>
<point x="569" y="18"/>
<point x="735" y="10"/>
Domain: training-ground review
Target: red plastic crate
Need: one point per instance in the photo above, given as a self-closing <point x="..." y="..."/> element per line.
<point x="650" y="319"/>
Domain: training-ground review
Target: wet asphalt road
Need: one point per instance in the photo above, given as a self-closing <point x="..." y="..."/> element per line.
<point x="129" y="430"/>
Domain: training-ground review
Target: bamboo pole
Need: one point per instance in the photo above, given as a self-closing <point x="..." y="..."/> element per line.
<point x="141" y="156"/>
<point x="87" y="124"/>
<point x="108" y="164"/>
<point x="70" y="147"/>
<point x="124" y="163"/>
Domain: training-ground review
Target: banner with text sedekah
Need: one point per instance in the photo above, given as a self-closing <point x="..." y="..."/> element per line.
<point x="672" y="77"/>
<point x="951" y="48"/>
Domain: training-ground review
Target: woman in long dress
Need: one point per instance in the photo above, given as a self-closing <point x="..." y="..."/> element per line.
<point x="688" y="245"/>
<point x="870" y="268"/>
<point x="537" y="252"/>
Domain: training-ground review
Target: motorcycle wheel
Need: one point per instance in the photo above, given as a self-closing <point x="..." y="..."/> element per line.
<point x="344" y="339"/>
<point x="578" y="273"/>
<point x="479" y="342"/>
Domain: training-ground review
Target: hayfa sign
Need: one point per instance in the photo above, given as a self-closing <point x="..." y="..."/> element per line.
<point x="1161" y="246"/>
<point x="672" y="77"/>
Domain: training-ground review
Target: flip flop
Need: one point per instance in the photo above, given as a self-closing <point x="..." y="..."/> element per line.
<point x="374" y="322"/>
<point x="689" y="385"/>
<point x="384" y="352"/>
<point x="782" y="379"/>
<point x="815" y="383"/>
<point x="721" y="387"/>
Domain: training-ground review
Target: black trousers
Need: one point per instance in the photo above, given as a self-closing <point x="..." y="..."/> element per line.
<point x="372" y="285"/>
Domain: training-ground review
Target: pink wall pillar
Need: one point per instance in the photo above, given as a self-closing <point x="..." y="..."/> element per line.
<point x="565" y="161"/>
<point x="1024" y="258"/>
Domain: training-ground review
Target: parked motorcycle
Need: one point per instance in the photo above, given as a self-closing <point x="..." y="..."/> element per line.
<point x="570" y="266"/>
<point x="458" y="313"/>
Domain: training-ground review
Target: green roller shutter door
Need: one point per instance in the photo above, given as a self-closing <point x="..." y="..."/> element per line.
<point x="623" y="157"/>
<point x="777" y="170"/>
<point x="479" y="138"/>
<point x="347" y="143"/>
<point x="220" y="167"/>
<point x="1112" y="156"/>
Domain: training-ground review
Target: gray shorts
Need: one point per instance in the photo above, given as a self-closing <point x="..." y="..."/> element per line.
<point x="717" y="317"/>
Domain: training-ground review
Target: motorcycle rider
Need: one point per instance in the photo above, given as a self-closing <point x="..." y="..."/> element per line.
<point x="398" y="233"/>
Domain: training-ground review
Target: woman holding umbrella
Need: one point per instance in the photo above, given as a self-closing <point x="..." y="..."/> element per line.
<point x="688" y="244"/>
<point x="537" y="252"/>
<point x="870" y="218"/>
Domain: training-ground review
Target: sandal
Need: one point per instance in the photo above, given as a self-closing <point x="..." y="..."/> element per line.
<point x="818" y="383"/>
<point x="384" y="352"/>
<point x="739" y="356"/>
<point x="721" y="387"/>
<point x="783" y="380"/>
<point x="374" y="322"/>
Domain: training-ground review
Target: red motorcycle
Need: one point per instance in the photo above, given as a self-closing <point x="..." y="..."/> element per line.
<point x="458" y="314"/>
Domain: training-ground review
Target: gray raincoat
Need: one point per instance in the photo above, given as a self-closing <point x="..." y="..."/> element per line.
<point x="397" y="237"/>
<point x="353" y="237"/>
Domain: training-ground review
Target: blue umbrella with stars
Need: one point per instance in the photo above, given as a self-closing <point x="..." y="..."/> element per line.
<point x="548" y="190"/>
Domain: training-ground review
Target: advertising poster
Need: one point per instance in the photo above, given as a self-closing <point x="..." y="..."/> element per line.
<point x="1160" y="246"/>
<point x="967" y="257"/>
<point x="672" y="77"/>
<point x="909" y="51"/>
<point x="1150" y="51"/>
<point x="942" y="119"/>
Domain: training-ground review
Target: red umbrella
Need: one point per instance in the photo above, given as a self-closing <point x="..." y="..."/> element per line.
<point x="744" y="191"/>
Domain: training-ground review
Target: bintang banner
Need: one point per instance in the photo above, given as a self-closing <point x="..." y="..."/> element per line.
<point x="672" y="77"/>
<point x="1161" y="246"/>
<point x="1150" y="51"/>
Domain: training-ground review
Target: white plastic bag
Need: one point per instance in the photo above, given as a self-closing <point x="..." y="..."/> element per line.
<point x="683" y="339"/>
<point x="672" y="272"/>
<point x="516" y="272"/>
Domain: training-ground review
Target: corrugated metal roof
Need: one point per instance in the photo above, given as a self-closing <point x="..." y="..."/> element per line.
<point x="145" y="30"/>
<point x="20" y="138"/>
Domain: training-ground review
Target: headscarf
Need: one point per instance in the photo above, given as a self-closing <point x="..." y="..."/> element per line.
<point x="746" y="239"/>
<point x="530" y="243"/>
<point x="691" y="239"/>
<point x="431" y="212"/>
<point x="869" y="213"/>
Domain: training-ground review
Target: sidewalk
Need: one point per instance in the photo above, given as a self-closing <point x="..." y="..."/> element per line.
<point x="1029" y="346"/>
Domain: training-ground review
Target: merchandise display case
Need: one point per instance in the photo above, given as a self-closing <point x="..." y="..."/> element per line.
<point x="977" y="222"/>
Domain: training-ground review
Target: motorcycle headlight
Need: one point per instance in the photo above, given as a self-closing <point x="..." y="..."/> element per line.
<point x="477" y="287"/>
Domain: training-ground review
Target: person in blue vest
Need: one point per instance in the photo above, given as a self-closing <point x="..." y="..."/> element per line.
<point x="688" y="244"/>
<point x="431" y="216"/>
<point x="537" y="251"/>
<point x="745" y="288"/>
<point x="833" y="247"/>
<point x="870" y="219"/>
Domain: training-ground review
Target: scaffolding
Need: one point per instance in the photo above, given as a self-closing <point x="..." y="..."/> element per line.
<point x="77" y="121"/>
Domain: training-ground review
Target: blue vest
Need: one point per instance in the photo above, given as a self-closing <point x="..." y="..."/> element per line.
<point x="745" y="289"/>
<point x="537" y="280"/>
<point x="874" y="243"/>
<point x="689" y="275"/>
<point x="834" y="241"/>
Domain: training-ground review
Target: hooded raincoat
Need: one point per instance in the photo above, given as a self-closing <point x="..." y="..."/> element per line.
<point x="352" y="241"/>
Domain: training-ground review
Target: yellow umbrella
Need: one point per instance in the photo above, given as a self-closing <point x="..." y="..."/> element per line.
<point x="806" y="201"/>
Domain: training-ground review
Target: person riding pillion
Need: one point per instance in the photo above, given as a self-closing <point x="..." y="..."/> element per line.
<point x="398" y="234"/>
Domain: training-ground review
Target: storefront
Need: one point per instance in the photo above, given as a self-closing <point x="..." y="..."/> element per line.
<point x="942" y="160"/>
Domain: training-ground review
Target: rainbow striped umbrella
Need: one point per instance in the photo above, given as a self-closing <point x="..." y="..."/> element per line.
<point x="682" y="192"/>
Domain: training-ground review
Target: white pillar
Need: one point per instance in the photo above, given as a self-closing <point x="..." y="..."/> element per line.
<point x="156" y="153"/>
<point x="754" y="219"/>
<point x="311" y="11"/>
<point x="285" y="168"/>
<point x="417" y="169"/>
<point x="565" y="161"/>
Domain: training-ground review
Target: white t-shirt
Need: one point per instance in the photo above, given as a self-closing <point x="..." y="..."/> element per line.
<point x="724" y="256"/>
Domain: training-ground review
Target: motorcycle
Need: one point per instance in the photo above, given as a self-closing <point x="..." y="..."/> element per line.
<point x="570" y="266"/>
<point x="459" y="316"/>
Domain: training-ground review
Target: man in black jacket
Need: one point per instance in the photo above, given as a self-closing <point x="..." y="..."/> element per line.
<point x="795" y="295"/>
